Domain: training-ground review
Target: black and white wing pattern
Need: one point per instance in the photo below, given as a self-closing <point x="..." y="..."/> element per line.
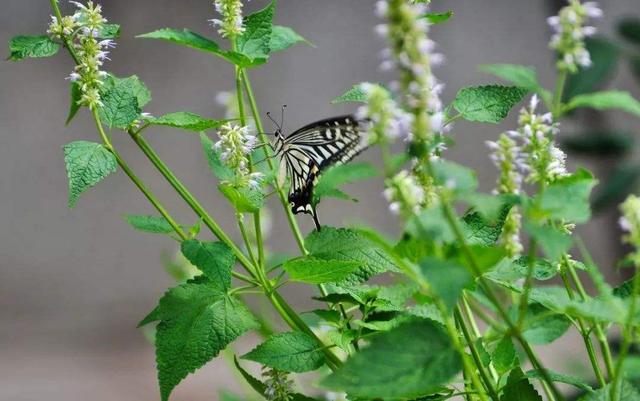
<point x="312" y="149"/>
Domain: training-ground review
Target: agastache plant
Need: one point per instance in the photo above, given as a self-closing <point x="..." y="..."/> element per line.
<point x="460" y="302"/>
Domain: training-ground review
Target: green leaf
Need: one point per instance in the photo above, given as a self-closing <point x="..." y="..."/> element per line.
<point x="87" y="164"/>
<point x="543" y="327"/>
<point x="438" y="18"/>
<point x="109" y="31"/>
<point x="283" y="37"/>
<point x="489" y="104"/>
<point x="518" y="388"/>
<point x="261" y="388"/>
<point x="606" y="100"/>
<point x="320" y="271"/>
<point x="560" y="378"/>
<point x="481" y="231"/>
<point x="244" y="199"/>
<point x="604" y="60"/>
<point x="187" y="121"/>
<point x="22" y="47"/>
<point x="624" y="290"/>
<point x="553" y="242"/>
<point x="627" y="393"/>
<point x="330" y="181"/>
<point x="218" y="168"/>
<point x="455" y="177"/>
<point x="355" y="94"/>
<point x="123" y="100"/>
<point x="290" y="352"/>
<point x="519" y="75"/>
<point x="150" y="224"/>
<point x="197" y="321"/>
<point x="629" y="28"/>
<point x="349" y="245"/>
<point x="132" y="84"/>
<point x="409" y="361"/>
<point x="214" y="259"/>
<point x="511" y="271"/>
<point x="568" y="197"/>
<point x="446" y="279"/>
<point x="256" y="39"/>
<point x="74" y="106"/>
<point x="504" y="356"/>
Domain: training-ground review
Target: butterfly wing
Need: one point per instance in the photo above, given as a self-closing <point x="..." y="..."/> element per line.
<point x="312" y="149"/>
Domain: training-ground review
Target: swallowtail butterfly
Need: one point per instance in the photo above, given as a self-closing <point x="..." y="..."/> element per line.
<point x="306" y="153"/>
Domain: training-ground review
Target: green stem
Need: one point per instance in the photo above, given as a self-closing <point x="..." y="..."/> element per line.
<point x="67" y="42"/>
<point x="524" y="298"/>
<point x="556" y="109"/>
<point x="245" y="238"/>
<point x="488" y="382"/>
<point x="468" y="314"/>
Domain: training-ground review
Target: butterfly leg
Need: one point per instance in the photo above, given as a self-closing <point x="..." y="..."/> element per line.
<point x="315" y="218"/>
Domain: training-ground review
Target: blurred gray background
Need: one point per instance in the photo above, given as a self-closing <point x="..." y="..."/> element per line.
<point x="73" y="284"/>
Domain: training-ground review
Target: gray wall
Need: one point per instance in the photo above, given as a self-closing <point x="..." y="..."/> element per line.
<point x="73" y="284"/>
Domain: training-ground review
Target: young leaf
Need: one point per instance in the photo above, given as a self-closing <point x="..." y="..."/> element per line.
<point x="606" y="100"/>
<point x="320" y="271"/>
<point x="184" y="37"/>
<point x="438" y="18"/>
<point x="518" y="388"/>
<point x="290" y="352"/>
<point x="74" y="106"/>
<point x="489" y="104"/>
<point x="542" y="327"/>
<point x="132" y="84"/>
<point x="330" y="181"/>
<point x="87" y="164"/>
<point x="197" y="320"/>
<point x="553" y="242"/>
<point x="283" y="37"/>
<point x="123" y="100"/>
<point x="214" y="259"/>
<point x="109" y="31"/>
<point x="218" y="168"/>
<point x="244" y="199"/>
<point x="504" y="356"/>
<point x="519" y="75"/>
<point x="256" y="39"/>
<point x="150" y="224"/>
<point x="446" y="279"/>
<point x="409" y="361"/>
<point x="186" y="121"/>
<point x="22" y="47"/>
<point x="568" y="197"/>
<point x="481" y="231"/>
<point x="349" y="245"/>
<point x="355" y="94"/>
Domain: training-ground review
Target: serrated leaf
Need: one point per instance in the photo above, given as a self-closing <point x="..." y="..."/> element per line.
<point x="438" y="18"/>
<point x="409" y="361"/>
<point x="109" y="31"/>
<point x="336" y="176"/>
<point x="511" y="271"/>
<point x="355" y="94"/>
<point x="244" y="199"/>
<point x="568" y="197"/>
<point x="256" y="39"/>
<point x="320" y="271"/>
<point x="197" y="321"/>
<point x="627" y="393"/>
<point x="187" y="121"/>
<point x="218" y="168"/>
<point x="629" y="28"/>
<point x="489" y="104"/>
<point x="214" y="259"/>
<point x="150" y="224"/>
<point x="446" y="279"/>
<point x="290" y="352"/>
<point x="87" y="164"/>
<point x="349" y="245"/>
<point x="561" y="378"/>
<point x="283" y="37"/>
<point x="553" y="242"/>
<point x="481" y="231"/>
<point x="604" y="60"/>
<point x="518" y="388"/>
<point x="606" y="100"/>
<point x="543" y="327"/>
<point x="122" y="101"/>
<point x="504" y="356"/>
<point x="74" y="105"/>
<point x="519" y="75"/>
<point x="23" y="46"/>
<point x="132" y="84"/>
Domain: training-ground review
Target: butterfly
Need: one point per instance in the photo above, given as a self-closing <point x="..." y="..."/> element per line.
<point x="309" y="151"/>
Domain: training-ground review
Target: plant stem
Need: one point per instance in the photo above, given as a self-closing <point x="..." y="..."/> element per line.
<point x="245" y="238"/>
<point x="524" y="298"/>
<point x="468" y="314"/>
<point x="556" y="109"/>
<point x="488" y="382"/>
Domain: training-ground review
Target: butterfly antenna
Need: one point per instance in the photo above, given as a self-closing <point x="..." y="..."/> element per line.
<point x="274" y="121"/>
<point x="284" y="106"/>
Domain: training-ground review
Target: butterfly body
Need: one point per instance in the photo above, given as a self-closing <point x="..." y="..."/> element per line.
<point x="308" y="152"/>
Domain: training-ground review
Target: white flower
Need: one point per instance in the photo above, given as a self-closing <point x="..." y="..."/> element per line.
<point x="404" y="194"/>
<point x="231" y="23"/>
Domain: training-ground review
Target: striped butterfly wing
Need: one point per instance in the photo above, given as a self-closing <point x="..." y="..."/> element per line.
<point x="312" y="149"/>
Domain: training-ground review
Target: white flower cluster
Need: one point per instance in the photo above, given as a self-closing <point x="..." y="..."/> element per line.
<point x="411" y="52"/>
<point x="235" y="146"/>
<point x="386" y="120"/>
<point x="630" y="223"/>
<point x="405" y="194"/>
<point x="231" y="23"/>
<point x="540" y="159"/>
<point x="82" y="30"/>
<point x="505" y="155"/>
<point x="570" y="30"/>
